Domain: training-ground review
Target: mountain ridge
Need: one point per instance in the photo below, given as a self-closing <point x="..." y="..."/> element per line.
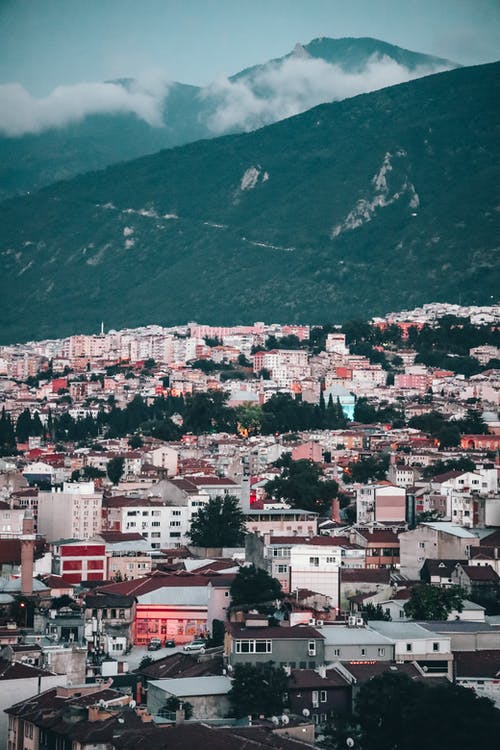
<point x="189" y="113"/>
<point x="385" y="200"/>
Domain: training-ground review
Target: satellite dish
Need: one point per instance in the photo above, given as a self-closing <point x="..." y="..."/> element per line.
<point x="306" y="712"/>
<point x="132" y="704"/>
<point x="349" y="742"/>
<point x="102" y="703"/>
<point x="285" y="719"/>
<point x="275" y="720"/>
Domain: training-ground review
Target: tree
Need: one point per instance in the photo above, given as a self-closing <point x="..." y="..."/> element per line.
<point x="135" y="441"/>
<point x="217" y="637"/>
<point x="115" y="468"/>
<point x="381" y="708"/>
<point x="395" y="712"/>
<point x="258" y="690"/>
<point x="375" y="612"/>
<point x="219" y="523"/>
<point x="145" y="661"/>
<point x="301" y="485"/>
<point x="367" y="469"/>
<point x="173" y="704"/>
<point x="254" y="587"/>
<point x="249" y="418"/>
<point x="429" y="602"/>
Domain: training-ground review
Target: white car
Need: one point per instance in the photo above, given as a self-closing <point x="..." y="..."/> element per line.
<point x="197" y="645"/>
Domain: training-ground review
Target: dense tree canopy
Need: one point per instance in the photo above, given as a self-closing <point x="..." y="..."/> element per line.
<point x="254" y="587"/>
<point x="428" y="602"/>
<point x="301" y="484"/>
<point x="258" y="690"/>
<point x="115" y="468"/>
<point x="219" y="523"/>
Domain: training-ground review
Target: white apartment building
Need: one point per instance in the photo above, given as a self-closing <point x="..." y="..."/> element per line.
<point x="163" y="523"/>
<point x="316" y="567"/>
<point x="75" y="512"/>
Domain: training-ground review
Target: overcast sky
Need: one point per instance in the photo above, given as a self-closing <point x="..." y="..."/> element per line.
<point x="46" y="43"/>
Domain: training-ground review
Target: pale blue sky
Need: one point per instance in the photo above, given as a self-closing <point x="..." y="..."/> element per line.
<point x="44" y="43"/>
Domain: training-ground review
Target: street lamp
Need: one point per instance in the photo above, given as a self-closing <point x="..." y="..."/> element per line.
<point x="22" y="605"/>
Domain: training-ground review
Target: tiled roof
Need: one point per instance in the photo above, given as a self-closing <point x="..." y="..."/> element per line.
<point x="309" y="678"/>
<point x="478" y="663"/>
<point x="365" y="575"/>
<point x="238" y="630"/>
<point x="19" y="671"/>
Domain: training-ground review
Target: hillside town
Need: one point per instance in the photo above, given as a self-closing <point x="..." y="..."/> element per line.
<point x="234" y="534"/>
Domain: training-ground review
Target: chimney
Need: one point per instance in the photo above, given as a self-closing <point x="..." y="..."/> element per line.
<point x="27" y="553"/>
<point x="336" y="510"/>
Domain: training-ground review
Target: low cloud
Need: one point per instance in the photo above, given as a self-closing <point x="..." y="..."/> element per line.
<point x="21" y="113"/>
<point x="294" y="85"/>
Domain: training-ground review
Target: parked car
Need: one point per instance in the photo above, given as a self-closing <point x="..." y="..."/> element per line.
<point x="199" y="644"/>
<point x="154" y="644"/>
<point x="170" y="643"/>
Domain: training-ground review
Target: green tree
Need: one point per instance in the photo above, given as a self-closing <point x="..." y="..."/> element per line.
<point x="254" y="587"/>
<point x="249" y="417"/>
<point x="7" y="435"/>
<point x="217" y="636"/>
<point x="258" y="690"/>
<point x="429" y="602"/>
<point x="372" y="468"/>
<point x="115" y="468"/>
<point x="135" y="441"/>
<point x="375" y="612"/>
<point x="219" y="523"/>
<point x="173" y="704"/>
<point x="301" y="484"/>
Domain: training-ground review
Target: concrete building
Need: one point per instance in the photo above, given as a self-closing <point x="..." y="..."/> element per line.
<point x="435" y="540"/>
<point x="382" y="502"/>
<point x="315" y="566"/>
<point x="73" y="513"/>
<point x="355" y="642"/>
<point x="207" y="694"/>
<point x="414" y="643"/>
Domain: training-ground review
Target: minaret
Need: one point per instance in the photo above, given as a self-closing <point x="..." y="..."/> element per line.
<point x="102" y="328"/>
<point x="27" y="553"/>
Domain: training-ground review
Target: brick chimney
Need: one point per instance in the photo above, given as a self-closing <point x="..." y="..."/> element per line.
<point x="336" y="510"/>
<point x="27" y="553"/>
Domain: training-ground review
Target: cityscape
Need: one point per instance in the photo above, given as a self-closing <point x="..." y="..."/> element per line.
<point x="249" y="375"/>
<point x="234" y="496"/>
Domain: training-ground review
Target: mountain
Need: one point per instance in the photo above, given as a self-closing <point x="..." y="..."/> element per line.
<point x="272" y="91"/>
<point x="383" y="201"/>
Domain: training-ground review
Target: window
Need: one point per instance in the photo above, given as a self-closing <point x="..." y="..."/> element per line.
<point x="381" y="652"/>
<point x="421" y="545"/>
<point x="409" y="647"/>
<point x="336" y="652"/>
<point x="314" y="561"/>
<point x="315" y="698"/>
<point x="322" y="696"/>
<point x="331" y="560"/>
<point x="323" y="718"/>
<point x="363" y="652"/>
<point x="282" y="568"/>
<point x="435" y="646"/>
<point x="253" y="647"/>
<point x="175" y="523"/>
<point x="311" y="648"/>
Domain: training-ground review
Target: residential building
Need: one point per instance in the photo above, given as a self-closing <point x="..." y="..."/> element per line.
<point x="437" y="540"/>
<point x="382" y="502"/>
<point x="415" y="643"/>
<point x="298" y="646"/>
<point x="73" y="513"/>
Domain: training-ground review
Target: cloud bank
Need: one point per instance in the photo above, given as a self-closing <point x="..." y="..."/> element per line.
<point x="22" y="114"/>
<point x="294" y="85"/>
